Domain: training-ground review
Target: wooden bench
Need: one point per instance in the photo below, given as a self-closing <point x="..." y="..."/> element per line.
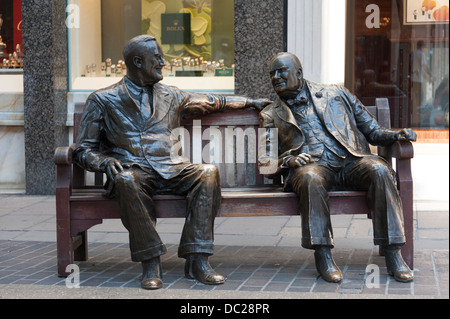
<point x="245" y="192"/>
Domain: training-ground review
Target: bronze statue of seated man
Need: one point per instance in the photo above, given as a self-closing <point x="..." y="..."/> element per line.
<point x="126" y="133"/>
<point x="323" y="140"/>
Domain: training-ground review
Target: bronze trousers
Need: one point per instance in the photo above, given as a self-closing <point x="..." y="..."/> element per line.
<point x="373" y="174"/>
<point x="134" y="189"/>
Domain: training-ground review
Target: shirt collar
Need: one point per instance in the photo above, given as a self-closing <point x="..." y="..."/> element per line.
<point x="132" y="87"/>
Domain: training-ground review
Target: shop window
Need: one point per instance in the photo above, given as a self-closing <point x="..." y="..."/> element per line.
<point x="400" y="50"/>
<point x="197" y="37"/>
<point x="11" y="56"/>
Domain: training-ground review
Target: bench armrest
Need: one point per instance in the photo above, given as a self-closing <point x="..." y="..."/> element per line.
<point x="63" y="155"/>
<point x="398" y="150"/>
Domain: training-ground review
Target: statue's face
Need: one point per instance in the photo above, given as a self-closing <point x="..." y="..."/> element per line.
<point x="286" y="76"/>
<point x="151" y="63"/>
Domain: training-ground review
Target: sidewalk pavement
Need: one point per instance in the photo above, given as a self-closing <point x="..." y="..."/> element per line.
<point x="260" y="256"/>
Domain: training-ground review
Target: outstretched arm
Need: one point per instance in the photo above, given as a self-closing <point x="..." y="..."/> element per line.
<point x="368" y="125"/>
<point x="195" y="104"/>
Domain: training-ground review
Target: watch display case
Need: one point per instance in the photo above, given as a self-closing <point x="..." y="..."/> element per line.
<point x="197" y="38"/>
<point x="11" y="56"/>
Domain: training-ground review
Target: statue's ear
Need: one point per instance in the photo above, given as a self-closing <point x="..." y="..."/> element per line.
<point x="137" y="61"/>
<point x="300" y="74"/>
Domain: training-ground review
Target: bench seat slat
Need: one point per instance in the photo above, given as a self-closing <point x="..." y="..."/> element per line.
<point x="227" y="193"/>
<point x="236" y="202"/>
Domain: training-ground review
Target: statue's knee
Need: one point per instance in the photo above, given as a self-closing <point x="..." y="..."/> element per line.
<point x="311" y="178"/>
<point x="308" y="181"/>
<point x="381" y="170"/>
<point x="210" y="171"/>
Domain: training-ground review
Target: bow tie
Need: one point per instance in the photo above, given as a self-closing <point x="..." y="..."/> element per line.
<point x="299" y="100"/>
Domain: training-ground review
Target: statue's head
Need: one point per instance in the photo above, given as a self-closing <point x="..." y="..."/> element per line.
<point x="286" y="74"/>
<point x="143" y="57"/>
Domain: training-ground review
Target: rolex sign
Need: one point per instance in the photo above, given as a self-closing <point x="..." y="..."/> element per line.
<point x="176" y="28"/>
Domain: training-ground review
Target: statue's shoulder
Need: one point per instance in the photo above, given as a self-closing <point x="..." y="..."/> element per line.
<point x="103" y="93"/>
<point x="323" y="87"/>
<point x="167" y="88"/>
<point x="269" y="110"/>
<point x="329" y="91"/>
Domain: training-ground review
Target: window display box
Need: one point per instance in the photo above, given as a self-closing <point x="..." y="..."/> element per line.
<point x="98" y="31"/>
<point x="11" y="80"/>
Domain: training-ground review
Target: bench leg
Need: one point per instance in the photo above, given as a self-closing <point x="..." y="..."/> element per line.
<point x="81" y="250"/>
<point x="64" y="244"/>
<point x="406" y="194"/>
<point x="408" y="248"/>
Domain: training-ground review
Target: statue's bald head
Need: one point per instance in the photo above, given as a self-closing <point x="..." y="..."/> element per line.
<point x="286" y="74"/>
<point x="287" y="56"/>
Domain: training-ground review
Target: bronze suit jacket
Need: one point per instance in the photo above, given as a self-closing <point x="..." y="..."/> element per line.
<point x="341" y="113"/>
<point x="112" y="126"/>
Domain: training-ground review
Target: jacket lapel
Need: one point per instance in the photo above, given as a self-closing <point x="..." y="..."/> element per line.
<point x="334" y="118"/>
<point x="130" y="109"/>
<point x="162" y="100"/>
<point x="285" y="113"/>
<point x="291" y="136"/>
<point x="319" y="100"/>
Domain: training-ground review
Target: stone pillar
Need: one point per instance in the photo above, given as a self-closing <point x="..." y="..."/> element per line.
<point x="45" y="90"/>
<point x="259" y="34"/>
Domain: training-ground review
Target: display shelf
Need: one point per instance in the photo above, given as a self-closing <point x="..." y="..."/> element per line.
<point x="191" y="84"/>
<point x="11" y="71"/>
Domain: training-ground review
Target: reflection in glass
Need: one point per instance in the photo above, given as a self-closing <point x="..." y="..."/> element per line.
<point x="404" y="58"/>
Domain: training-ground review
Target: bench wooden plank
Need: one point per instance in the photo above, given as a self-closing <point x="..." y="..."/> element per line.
<point x="238" y="202"/>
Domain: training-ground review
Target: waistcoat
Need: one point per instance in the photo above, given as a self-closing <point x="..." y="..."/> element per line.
<point x="318" y="141"/>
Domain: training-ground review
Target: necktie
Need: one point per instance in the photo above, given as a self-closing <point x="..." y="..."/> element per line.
<point x="146" y="104"/>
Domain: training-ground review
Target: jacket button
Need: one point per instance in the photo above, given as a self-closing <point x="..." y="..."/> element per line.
<point x="319" y="95"/>
<point x="337" y="98"/>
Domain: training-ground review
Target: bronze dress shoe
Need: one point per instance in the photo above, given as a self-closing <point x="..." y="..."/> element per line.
<point x="197" y="267"/>
<point x="326" y="266"/>
<point x="396" y="266"/>
<point x="151" y="274"/>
